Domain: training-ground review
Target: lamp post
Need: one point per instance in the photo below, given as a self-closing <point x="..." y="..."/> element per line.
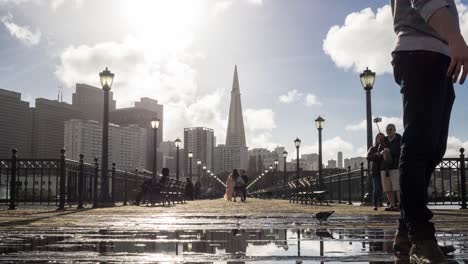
<point x="107" y="78"/>
<point x="276" y="171"/>
<point x="319" y="124"/>
<point x="367" y="80"/>
<point x="204" y="170"/>
<point x="177" y="144"/>
<point x="155" y="126"/>
<point x="297" y="142"/>
<point x="190" y="156"/>
<point x="199" y="169"/>
<point x="285" y="155"/>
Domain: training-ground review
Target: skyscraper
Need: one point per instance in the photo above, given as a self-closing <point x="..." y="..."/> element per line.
<point x="201" y="142"/>
<point x="233" y="155"/>
<point x="16" y="125"/>
<point x="142" y="114"/>
<point x="235" y="133"/>
<point x="88" y="100"/>
<point x="48" y="127"/>
<point x="340" y="160"/>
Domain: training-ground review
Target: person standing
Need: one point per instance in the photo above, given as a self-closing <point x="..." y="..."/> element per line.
<point x="244" y="188"/>
<point x="197" y="189"/>
<point x="429" y="56"/>
<point x="189" y="189"/>
<point x="231" y="181"/>
<point x="375" y="157"/>
<point x="390" y="167"/>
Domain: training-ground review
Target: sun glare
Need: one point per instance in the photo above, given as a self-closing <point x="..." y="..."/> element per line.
<point x="167" y="24"/>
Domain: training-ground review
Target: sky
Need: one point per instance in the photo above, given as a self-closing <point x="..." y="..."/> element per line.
<point x="296" y="60"/>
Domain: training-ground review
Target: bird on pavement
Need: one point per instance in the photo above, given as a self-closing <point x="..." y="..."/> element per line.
<point x="324" y="233"/>
<point x="323" y="216"/>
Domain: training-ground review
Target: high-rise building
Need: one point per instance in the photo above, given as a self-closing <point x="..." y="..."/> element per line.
<point x="261" y="159"/>
<point x="89" y="101"/>
<point x="48" y="127"/>
<point x="340" y="160"/>
<point x="127" y="145"/>
<point x="16" y="125"/>
<point x="142" y="115"/>
<point x="331" y="164"/>
<point x="309" y="162"/>
<point x="201" y="142"/>
<point x="355" y="162"/>
<point x="235" y="149"/>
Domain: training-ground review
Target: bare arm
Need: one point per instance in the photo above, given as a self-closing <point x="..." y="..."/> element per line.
<point x="445" y="25"/>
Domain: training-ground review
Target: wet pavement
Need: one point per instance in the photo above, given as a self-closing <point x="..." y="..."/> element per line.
<point x="179" y="235"/>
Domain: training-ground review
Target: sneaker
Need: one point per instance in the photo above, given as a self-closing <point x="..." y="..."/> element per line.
<point x="427" y="252"/>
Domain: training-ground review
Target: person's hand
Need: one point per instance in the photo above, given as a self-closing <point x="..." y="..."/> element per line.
<point x="459" y="61"/>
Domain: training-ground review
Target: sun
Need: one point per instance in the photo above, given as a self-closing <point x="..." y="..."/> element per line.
<point x="168" y="24"/>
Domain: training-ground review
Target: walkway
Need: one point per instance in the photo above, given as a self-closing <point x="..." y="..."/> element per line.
<point x="259" y="231"/>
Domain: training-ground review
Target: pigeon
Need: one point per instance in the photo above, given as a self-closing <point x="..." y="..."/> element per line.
<point x="323" y="216"/>
<point x="324" y="233"/>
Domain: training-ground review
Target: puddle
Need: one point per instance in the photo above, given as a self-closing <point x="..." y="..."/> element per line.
<point x="321" y="244"/>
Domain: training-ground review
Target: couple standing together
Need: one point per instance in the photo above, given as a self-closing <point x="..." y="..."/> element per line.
<point x="236" y="186"/>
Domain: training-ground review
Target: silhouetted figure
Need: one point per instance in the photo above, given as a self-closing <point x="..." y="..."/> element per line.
<point x="197" y="189"/>
<point x="244" y="188"/>
<point x="323" y="216"/>
<point x="148" y="187"/>
<point x="189" y="189"/>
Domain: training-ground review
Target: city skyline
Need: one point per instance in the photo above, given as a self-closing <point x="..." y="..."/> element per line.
<point x="300" y="73"/>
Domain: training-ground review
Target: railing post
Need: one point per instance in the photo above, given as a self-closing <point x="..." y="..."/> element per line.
<point x="13" y="181"/>
<point x="463" y="178"/>
<point x="113" y="182"/>
<point x="81" y="183"/>
<point x="126" y="189"/>
<point x="349" y="186"/>
<point x="362" y="182"/>
<point x="95" y="183"/>
<point x="62" y="181"/>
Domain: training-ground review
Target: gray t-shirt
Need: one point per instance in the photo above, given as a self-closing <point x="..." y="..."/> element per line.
<point x="410" y="21"/>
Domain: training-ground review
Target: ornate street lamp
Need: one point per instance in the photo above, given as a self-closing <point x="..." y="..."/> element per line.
<point x="177" y="144"/>
<point x="190" y="156"/>
<point x="297" y="143"/>
<point x="367" y="80"/>
<point x="107" y="78"/>
<point x="319" y="122"/>
<point x="155" y="126"/>
<point x="199" y="169"/>
<point x="285" y="155"/>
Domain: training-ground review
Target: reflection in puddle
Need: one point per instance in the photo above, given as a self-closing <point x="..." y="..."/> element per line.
<point x="211" y="246"/>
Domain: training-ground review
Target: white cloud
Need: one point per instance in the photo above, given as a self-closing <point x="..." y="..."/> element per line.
<point x="259" y="124"/>
<point x="453" y="147"/>
<point x="221" y="6"/>
<point x="55" y="4"/>
<point x="330" y="149"/>
<point x="22" y="33"/>
<point x="362" y="126"/>
<point x="256" y="2"/>
<point x="365" y="40"/>
<point x="311" y="100"/>
<point x="290" y="97"/>
<point x="18" y="2"/>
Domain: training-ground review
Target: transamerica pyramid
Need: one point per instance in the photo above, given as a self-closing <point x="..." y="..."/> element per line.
<point x="235" y="132"/>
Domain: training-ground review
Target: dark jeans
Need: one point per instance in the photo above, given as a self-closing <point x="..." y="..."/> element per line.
<point x="428" y="96"/>
<point x="376" y="189"/>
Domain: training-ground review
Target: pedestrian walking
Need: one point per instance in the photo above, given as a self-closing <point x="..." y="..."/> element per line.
<point x="231" y="181"/>
<point x="244" y="188"/>
<point x="390" y="173"/>
<point x="429" y="56"/>
<point x="197" y="189"/>
<point x="189" y="189"/>
<point x="375" y="157"/>
<point x="238" y="187"/>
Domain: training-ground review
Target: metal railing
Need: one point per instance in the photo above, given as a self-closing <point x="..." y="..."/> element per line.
<point x="62" y="182"/>
<point x="447" y="186"/>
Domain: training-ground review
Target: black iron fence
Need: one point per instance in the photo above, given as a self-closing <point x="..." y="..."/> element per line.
<point x="448" y="185"/>
<point x="63" y="182"/>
